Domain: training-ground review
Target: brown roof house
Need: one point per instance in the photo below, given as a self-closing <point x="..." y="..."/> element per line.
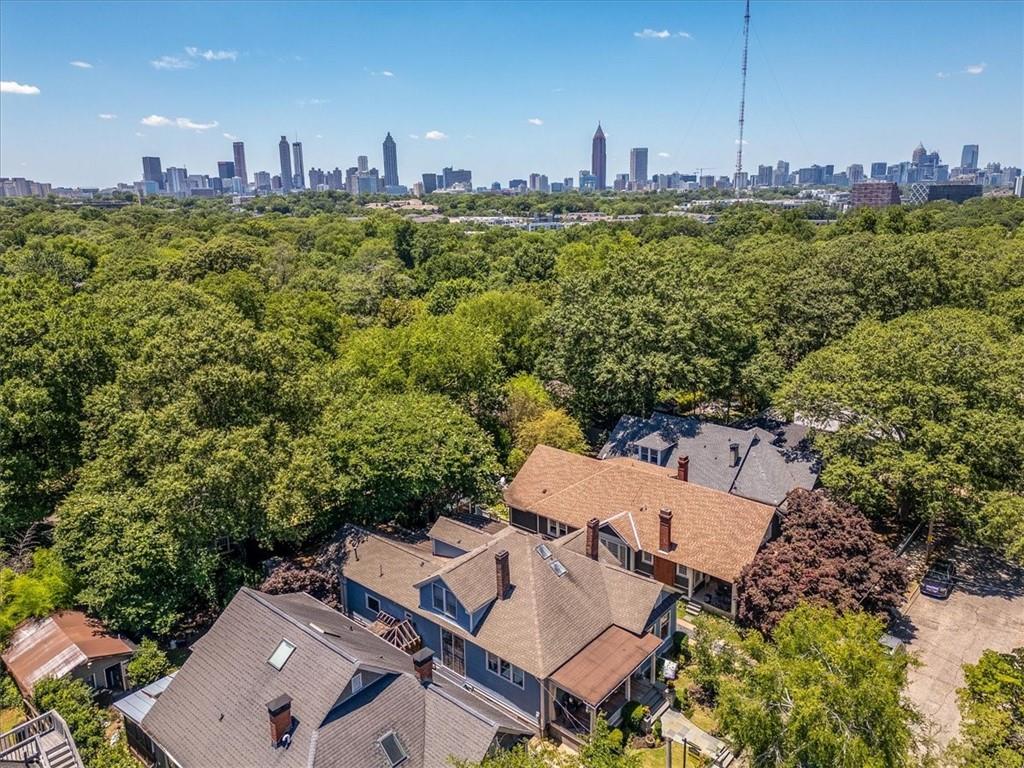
<point x="691" y="538"/>
<point x="286" y="681"/>
<point x="551" y="632"/>
<point x="66" y="643"/>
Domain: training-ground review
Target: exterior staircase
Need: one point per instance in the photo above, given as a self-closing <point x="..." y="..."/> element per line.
<point x="44" y="741"/>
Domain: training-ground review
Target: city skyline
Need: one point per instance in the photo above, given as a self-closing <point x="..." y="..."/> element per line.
<point x="189" y="91"/>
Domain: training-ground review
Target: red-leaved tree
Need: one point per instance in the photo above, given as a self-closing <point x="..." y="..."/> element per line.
<point x="827" y="554"/>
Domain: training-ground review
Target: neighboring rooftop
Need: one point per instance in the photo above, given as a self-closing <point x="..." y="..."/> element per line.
<point x="715" y="532"/>
<point x="762" y="459"/>
<point x="54" y="646"/>
<point x="215" y="710"/>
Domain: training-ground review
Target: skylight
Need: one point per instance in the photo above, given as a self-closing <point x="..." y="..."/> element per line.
<point x="543" y="551"/>
<point x="393" y="749"/>
<point x="558" y="568"/>
<point x="281" y="654"/>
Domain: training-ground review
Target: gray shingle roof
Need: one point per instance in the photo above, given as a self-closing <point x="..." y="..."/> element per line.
<point x="774" y="458"/>
<point x="214" y="713"/>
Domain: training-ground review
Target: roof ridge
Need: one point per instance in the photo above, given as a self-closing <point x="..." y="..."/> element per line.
<point x="260" y="598"/>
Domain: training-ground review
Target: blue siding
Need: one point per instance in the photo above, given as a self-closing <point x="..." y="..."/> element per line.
<point x="526" y="699"/>
<point x="355" y="601"/>
<point x="462" y="617"/>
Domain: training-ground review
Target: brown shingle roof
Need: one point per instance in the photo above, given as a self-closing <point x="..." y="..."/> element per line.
<point x="715" y="532"/>
<point x="457" y="533"/>
<point x="54" y="646"/>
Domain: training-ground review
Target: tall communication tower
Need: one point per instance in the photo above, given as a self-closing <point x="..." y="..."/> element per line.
<point x="743" y="97"/>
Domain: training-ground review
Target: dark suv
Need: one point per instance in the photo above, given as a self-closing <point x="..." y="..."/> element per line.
<point x="938" y="582"/>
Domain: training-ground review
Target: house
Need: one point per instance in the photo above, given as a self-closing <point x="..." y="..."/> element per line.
<point x="286" y="681"/>
<point x="66" y="643"/>
<point x="552" y="632"/>
<point x="763" y="459"/>
<point x="693" y="539"/>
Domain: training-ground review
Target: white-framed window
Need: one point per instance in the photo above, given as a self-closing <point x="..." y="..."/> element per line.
<point x="357" y="683"/>
<point x="498" y="666"/>
<point x="556" y="529"/>
<point x="682" y="577"/>
<point x="646" y="558"/>
<point x="444" y="601"/>
<point x="372" y="604"/>
<point x="617" y="548"/>
<point x="649" y="455"/>
<point x="662" y="626"/>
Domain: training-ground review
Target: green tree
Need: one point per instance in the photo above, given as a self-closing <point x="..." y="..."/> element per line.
<point x="148" y="664"/>
<point x="825" y="693"/>
<point x="34" y="593"/>
<point x="553" y="427"/>
<point x="73" y="701"/>
<point x="992" y="707"/>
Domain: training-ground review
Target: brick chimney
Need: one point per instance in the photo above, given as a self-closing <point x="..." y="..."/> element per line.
<point x="665" y="530"/>
<point x="592" y="538"/>
<point x="501" y="568"/>
<point x="683" y="468"/>
<point x="280" y="711"/>
<point x="423" y="663"/>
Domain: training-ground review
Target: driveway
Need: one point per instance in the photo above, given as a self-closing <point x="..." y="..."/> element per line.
<point x="986" y="610"/>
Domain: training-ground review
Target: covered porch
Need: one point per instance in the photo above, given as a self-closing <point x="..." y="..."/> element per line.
<point x="714" y="595"/>
<point x="615" y="668"/>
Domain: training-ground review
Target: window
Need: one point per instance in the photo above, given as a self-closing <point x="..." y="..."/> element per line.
<point x="649" y="455"/>
<point x="661" y="628"/>
<point x="646" y="558"/>
<point x="557" y="529"/>
<point x="682" y="577"/>
<point x="617" y="548"/>
<point x="357" y="683"/>
<point x="372" y="604"/>
<point x="498" y="666"/>
<point x="444" y="601"/>
<point x="281" y="654"/>
<point x="394" y="750"/>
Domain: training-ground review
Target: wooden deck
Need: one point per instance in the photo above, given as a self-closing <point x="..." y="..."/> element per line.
<point x="44" y="741"/>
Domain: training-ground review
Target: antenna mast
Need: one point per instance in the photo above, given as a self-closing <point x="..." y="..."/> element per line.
<point x="743" y="97"/>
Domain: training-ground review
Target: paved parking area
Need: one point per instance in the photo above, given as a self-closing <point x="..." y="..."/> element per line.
<point x="986" y="610"/>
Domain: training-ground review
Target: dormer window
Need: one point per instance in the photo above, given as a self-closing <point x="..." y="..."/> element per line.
<point x="444" y="601"/>
<point x="650" y="455"/>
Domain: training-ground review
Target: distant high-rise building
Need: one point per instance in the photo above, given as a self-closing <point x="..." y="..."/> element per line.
<point x="429" y="183"/>
<point x="299" y="173"/>
<point x="225" y="169"/>
<point x="317" y="179"/>
<point x="765" y="176"/>
<point x="969" y="157"/>
<point x="599" y="159"/>
<point x="919" y="153"/>
<point x="879" y="170"/>
<point x="262" y="181"/>
<point x="286" y="163"/>
<point x="239" y="149"/>
<point x="453" y="176"/>
<point x="638" y="166"/>
<point x="621" y="182"/>
<point x="390" y="162"/>
<point x="588" y="181"/>
<point x="363" y="163"/>
<point x="855" y="173"/>
<point x="516" y="184"/>
<point x="534" y="182"/>
<point x="151" y="171"/>
<point x="567" y="182"/>
<point x="177" y="181"/>
<point x="875" y="194"/>
<point x="276" y="183"/>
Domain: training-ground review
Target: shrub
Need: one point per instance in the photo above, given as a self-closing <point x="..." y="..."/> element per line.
<point x="148" y="665"/>
<point x="617" y="738"/>
<point x="10" y="696"/>
<point x="73" y="701"/>
<point x="633" y="714"/>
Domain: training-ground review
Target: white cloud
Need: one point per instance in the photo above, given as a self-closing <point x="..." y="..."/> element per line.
<point x="435" y="135"/>
<point x="535" y="121"/>
<point x="312" y="102"/>
<point x="159" y="121"/>
<point x="211" y="55"/>
<point x="387" y="73"/>
<point x="557" y="90"/>
<point x="184" y="122"/>
<point x="229" y="136"/>
<point x="318" y="136"/>
<point x="664" y="154"/>
<point x="10" y="86"/>
<point x="171" y="62"/>
<point x="975" y="69"/>
<point x="661" y="34"/>
<point x="80" y="64"/>
<point x="139" y="133"/>
<point x="942" y="75"/>
<point x="413" y="136"/>
<point x="106" y="116"/>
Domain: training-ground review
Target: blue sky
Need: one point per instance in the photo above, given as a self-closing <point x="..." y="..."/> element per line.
<point x="829" y="82"/>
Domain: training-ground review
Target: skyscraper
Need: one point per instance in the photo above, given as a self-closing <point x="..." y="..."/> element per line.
<point x="286" y="163"/>
<point x="240" y="172"/>
<point x="151" y="170"/>
<point x="390" y="162"/>
<point x="300" y="171"/>
<point x="919" y="153"/>
<point x="363" y="163"/>
<point x="855" y="173"/>
<point x="225" y="169"/>
<point x="599" y="159"/>
<point x="429" y="183"/>
<point x="879" y="169"/>
<point x="969" y="158"/>
<point x="638" y="167"/>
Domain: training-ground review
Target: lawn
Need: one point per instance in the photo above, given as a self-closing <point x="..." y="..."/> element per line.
<point x="655" y="758"/>
<point x="9" y="718"/>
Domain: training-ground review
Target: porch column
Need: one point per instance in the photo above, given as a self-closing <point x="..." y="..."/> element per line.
<point x="691" y="574"/>
<point x="629" y="686"/>
<point x="732" y="602"/>
<point x="593" y="718"/>
<point x="654" y="668"/>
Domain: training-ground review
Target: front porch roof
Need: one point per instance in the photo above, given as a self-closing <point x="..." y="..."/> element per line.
<point x="602" y="665"/>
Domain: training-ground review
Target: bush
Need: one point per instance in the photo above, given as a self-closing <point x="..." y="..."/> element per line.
<point x="681" y="647"/>
<point x="617" y="738"/>
<point x="10" y="696"/>
<point x="633" y="714"/>
<point x="656" y="730"/>
<point x="148" y="665"/>
<point x="73" y="701"/>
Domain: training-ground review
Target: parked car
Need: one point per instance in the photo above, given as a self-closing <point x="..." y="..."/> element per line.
<point x="939" y="580"/>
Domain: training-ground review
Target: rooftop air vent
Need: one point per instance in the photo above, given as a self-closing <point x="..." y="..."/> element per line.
<point x="543" y="551"/>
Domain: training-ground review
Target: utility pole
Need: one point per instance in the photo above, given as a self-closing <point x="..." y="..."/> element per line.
<point x="743" y="96"/>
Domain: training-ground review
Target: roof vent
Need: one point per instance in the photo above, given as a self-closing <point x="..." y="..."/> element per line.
<point x="558" y="568"/>
<point x="543" y="551"/>
<point x="281" y="654"/>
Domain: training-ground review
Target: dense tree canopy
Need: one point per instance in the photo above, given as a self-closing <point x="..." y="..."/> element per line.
<point x="992" y="706"/>
<point x="826" y="555"/>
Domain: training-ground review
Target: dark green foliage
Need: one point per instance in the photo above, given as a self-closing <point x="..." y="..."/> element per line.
<point x="992" y="706"/>
<point x="148" y="664"/>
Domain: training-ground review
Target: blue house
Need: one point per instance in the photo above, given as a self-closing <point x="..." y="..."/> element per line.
<point x="552" y="631"/>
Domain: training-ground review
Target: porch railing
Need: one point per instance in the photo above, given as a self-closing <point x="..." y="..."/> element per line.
<point x="34" y="739"/>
